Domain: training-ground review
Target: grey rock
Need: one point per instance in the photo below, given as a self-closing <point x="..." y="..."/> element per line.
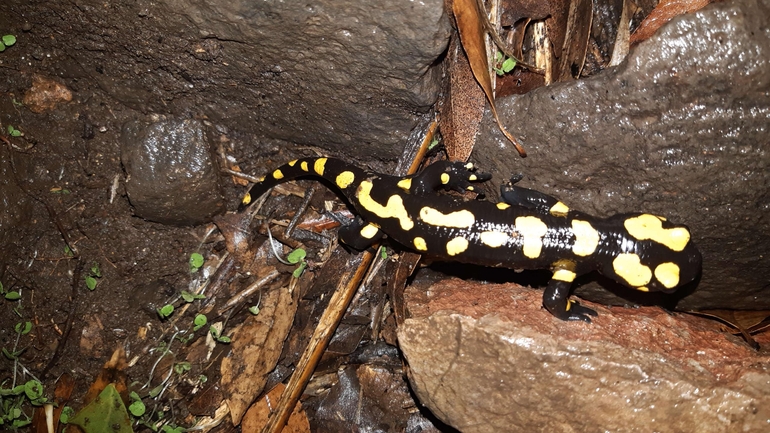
<point x="171" y="176"/>
<point x="488" y="358"/>
<point x="679" y="130"/>
<point x="338" y="74"/>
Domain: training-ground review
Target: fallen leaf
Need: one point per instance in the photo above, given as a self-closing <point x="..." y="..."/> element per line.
<point x="106" y="413"/>
<point x="663" y="13"/>
<point x="463" y="108"/>
<point x="45" y="94"/>
<point x="255" y="349"/>
<point x="578" y="31"/>
<point x="258" y="414"/>
<point x="471" y="29"/>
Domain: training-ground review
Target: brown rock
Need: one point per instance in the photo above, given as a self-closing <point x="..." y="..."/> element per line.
<point x="489" y="358"/>
<point x="45" y="94"/>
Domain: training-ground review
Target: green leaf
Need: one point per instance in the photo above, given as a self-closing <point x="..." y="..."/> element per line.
<point x="66" y="414"/>
<point x="383" y="253"/>
<point x="9" y="40"/>
<point x="23" y="328"/>
<point x="199" y="321"/>
<point x="189" y="297"/>
<point x="156" y="391"/>
<point x="224" y="339"/>
<point x="68" y="251"/>
<point x="107" y="413"/>
<point x="2" y="47"/>
<point x="296" y="256"/>
<point x="165" y="311"/>
<point x="196" y="261"/>
<point x="90" y="282"/>
<point x="12" y="296"/>
<point x="300" y="269"/>
<point x="33" y="389"/>
<point x="137" y="408"/>
<point x="508" y="65"/>
<point x="182" y="367"/>
<point x="95" y="271"/>
<point x="1" y="287"/>
<point x="254" y="310"/>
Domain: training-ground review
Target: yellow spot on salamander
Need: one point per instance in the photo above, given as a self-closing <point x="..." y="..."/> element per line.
<point x="469" y="188"/>
<point x="444" y="178"/>
<point x="502" y="206"/>
<point x="629" y="267"/>
<point x="586" y="238"/>
<point x="469" y="166"/>
<point x="277" y="175"/>
<point x="472" y="177"/>
<point x="458" y="219"/>
<point x="246" y="199"/>
<point x="648" y="226"/>
<point x="318" y="166"/>
<point x="564" y="275"/>
<point x="303" y="165"/>
<point x="419" y="244"/>
<point x="292" y="162"/>
<point x="393" y="209"/>
<point x="559" y="209"/>
<point x="405" y="184"/>
<point x="261" y="179"/>
<point x="643" y="289"/>
<point x="344" y="179"/>
<point x="532" y="230"/>
<point x="456" y="246"/>
<point x="494" y="239"/>
<point x="668" y="274"/>
<point x="369" y="231"/>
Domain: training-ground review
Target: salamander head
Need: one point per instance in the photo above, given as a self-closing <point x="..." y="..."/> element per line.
<point x="652" y="253"/>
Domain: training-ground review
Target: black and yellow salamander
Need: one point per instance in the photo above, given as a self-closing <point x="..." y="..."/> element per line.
<point x="527" y="230"/>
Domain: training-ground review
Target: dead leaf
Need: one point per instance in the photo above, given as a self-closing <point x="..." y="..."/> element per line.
<point x="578" y="33"/>
<point x="255" y="349"/>
<point x="113" y="372"/>
<point x="740" y="322"/>
<point x="471" y="29"/>
<point x="663" y="13"/>
<point x="463" y="109"/>
<point x="257" y="415"/>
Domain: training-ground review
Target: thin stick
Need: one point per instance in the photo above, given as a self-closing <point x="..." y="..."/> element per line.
<point x="338" y="304"/>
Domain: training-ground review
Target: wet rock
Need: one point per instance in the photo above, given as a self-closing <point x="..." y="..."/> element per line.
<point x="679" y="130"/>
<point x="338" y="74"/>
<point x="489" y="358"/>
<point x="171" y="176"/>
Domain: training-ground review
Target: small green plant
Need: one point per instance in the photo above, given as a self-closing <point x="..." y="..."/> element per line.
<point x="502" y="67"/>
<point x="196" y="262"/>
<point x="12" y="399"/>
<point x="217" y="334"/>
<point x="13" y="295"/>
<point x="165" y="311"/>
<point x="137" y="407"/>
<point x="6" y="41"/>
<point x="13" y="132"/>
<point x="92" y="277"/>
<point x="199" y="322"/>
<point x="66" y="413"/>
<point x="190" y="297"/>
<point x="21" y="328"/>
<point x="297" y="256"/>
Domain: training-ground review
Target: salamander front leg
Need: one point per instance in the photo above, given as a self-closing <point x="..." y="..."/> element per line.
<point x="359" y="235"/>
<point x="556" y="300"/>
<point x="457" y="176"/>
<point x="519" y="196"/>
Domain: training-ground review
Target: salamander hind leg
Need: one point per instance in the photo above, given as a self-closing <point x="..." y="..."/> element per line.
<point x="556" y="300"/>
<point x="456" y="175"/>
<point x="529" y="198"/>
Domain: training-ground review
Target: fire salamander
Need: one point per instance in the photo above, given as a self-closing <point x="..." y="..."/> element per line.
<point x="527" y="230"/>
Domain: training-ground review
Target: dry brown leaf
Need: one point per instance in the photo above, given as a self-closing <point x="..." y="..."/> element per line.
<point x="663" y="13"/>
<point x="64" y="386"/>
<point x="463" y="109"/>
<point x="113" y="372"/>
<point x="470" y="25"/>
<point x="45" y="94"/>
<point x="257" y="415"/>
<point x="578" y="33"/>
<point x="255" y="349"/>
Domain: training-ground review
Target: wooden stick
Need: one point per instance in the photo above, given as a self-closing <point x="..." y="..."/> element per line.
<point x="338" y="304"/>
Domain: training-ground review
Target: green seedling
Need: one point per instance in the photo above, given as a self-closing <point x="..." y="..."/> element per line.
<point x="13" y="132"/>
<point x="254" y="309"/>
<point x="199" y="322"/>
<point x="7" y="41"/>
<point x="196" y="262"/>
<point x="383" y="253"/>
<point x="182" y="367"/>
<point x="433" y="143"/>
<point x="137" y="407"/>
<point x="502" y="67"/>
<point x="190" y="297"/>
<point x="215" y="332"/>
<point x="66" y="414"/>
<point x="165" y="311"/>
<point x="297" y="256"/>
<point x="92" y="278"/>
